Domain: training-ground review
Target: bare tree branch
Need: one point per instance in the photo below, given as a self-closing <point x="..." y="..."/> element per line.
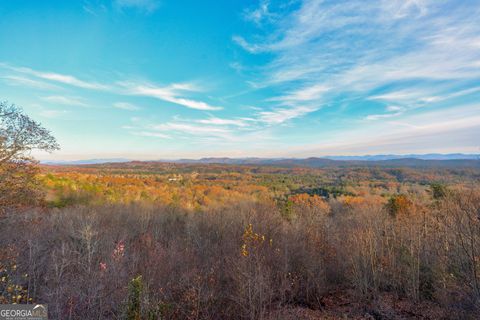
<point x="19" y="135"/>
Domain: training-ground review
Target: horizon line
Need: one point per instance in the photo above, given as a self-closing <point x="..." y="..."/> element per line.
<point x="413" y="155"/>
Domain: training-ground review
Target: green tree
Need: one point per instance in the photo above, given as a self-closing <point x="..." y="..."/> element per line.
<point x="438" y="190"/>
<point x="135" y="288"/>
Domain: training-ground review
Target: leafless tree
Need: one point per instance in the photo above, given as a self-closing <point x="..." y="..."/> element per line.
<point x="19" y="135"/>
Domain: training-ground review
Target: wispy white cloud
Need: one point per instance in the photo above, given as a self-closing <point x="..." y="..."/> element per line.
<point x="449" y="130"/>
<point x="225" y="122"/>
<point x="402" y="8"/>
<point x="94" y="7"/>
<point x="414" y="97"/>
<point x="237" y="66"/>
<point x="281" y="115"/>
<point x="126" y="106"/>
<point x="176" y="93"/>
<point x="16" y="80"/>
<point x="48" y="112"/>
<point x="221" y="131"/>
<point x="259" y="13"/>
<point x="169" y="93"/>
<point x="191" y="129"/>
<point x="59" y="78"/>
<point x="390" y="112"/>
<point x="308" y="93"/>
<point x="394" y="108"/>
<point x="63" y="100"/>
<point x="411" y="96"/>
<point x="327" y="48"/>
<point x="253" y="48"/>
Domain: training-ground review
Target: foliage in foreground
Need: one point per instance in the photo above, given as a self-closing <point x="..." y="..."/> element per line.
<point x="243" y="261"/>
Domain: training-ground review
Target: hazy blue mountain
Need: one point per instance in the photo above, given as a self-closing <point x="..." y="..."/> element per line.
<point x="430" y="156"/>
<point x="412" y="160"/>
<point x="87" y="161"/>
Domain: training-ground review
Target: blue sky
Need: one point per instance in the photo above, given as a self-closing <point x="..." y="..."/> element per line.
<point x="148" y="79"/>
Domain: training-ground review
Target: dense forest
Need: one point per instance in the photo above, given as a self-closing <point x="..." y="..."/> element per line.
<point x="155" y="240"/>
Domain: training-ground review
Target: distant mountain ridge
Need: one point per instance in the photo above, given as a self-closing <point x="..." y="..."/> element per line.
<point x="86" y="161"/>
<point x="428" y="156"/>
<point x="412" y="160"/>
<point x="314" y="162"/>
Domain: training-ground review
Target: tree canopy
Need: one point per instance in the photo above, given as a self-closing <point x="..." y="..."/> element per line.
<point x="19" y="135"/>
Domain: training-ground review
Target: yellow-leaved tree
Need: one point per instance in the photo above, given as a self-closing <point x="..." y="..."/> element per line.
<point x="19" y="135"/>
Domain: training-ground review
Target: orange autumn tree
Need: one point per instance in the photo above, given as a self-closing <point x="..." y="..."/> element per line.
<point x="303" y="202"/>
<point x="399" y="205"/>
